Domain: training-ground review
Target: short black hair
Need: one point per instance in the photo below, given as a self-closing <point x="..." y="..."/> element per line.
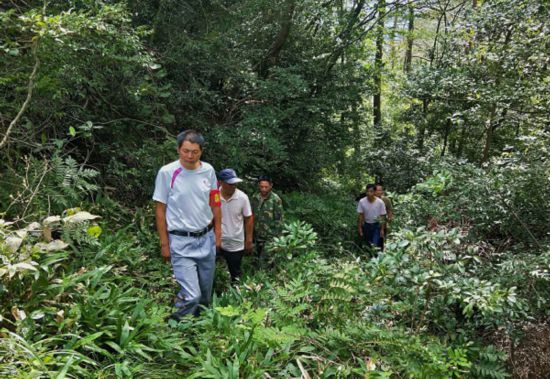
<point x="370" y="185"/>
<point x="264" y="178"/>
<point x="192" y="136"/>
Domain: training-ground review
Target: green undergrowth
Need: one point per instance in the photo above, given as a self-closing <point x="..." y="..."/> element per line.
<point x="84" y="296"/>
<point x="96" y="308"/>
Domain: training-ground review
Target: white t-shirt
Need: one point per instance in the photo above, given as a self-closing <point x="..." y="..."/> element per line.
<point x="186" y="194"/>
<point x="234" y="210"/>
<point x="371" y="211"/>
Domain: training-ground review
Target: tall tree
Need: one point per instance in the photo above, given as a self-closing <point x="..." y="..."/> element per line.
<point x="378" y="65"/>
<point x="393" y="39"/>
<point x="410" y="37"/>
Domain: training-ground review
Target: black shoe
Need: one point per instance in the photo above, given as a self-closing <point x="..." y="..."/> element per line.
<point x="174" y="316"/>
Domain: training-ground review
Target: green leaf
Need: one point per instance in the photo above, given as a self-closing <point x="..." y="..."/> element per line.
<point x="94" y="231"/>
<point x="124" y="334"/>
<point x="65" y="368"/>
<point x="114" y="346"/>
<point x="168" y="118"/>
<point x="229" y="311"/>
<point x="86" y="340"/>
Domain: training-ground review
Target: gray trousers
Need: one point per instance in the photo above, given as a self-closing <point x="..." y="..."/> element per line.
<point x="194" y="263"/>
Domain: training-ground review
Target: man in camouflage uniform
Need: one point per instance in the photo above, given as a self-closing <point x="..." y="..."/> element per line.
<point x="267" y="208"/>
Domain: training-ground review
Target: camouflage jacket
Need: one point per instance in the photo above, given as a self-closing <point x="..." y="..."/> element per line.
<point x="388" y="204"/>
<point x="268" y="216"/>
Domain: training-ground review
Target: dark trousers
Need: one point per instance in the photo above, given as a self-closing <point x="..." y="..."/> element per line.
<point x="233" y="259"/>
<point x="260" y="245"/>
<point x="260" y="253"/>
<point x="371" y="234"/>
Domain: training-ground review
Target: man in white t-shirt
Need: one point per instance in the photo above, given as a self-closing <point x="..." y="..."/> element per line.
<point x="237" y="222"/>
<point x="187" y="208"/>
<point x="372" y="217"/>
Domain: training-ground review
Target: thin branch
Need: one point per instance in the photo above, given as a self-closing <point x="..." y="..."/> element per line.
<point x="305" y="374"/>
<point x="421" y="57"/>
<point x="27" y="100"/>
<point x="99" y="123"/>
<point x="512" y="209"/>
<point x="160" y="127"/>
<point x="44" y="172"/>
<point x="345" y="35"/>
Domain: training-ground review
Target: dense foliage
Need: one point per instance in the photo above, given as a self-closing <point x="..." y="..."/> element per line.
<point x="444" y="101"/>
<point x="421" y="309"/>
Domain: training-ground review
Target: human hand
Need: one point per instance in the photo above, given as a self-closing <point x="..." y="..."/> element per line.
<point x="165" y="253"/>
<point x="360" y="231"/>
<point x="248" y="247"/>
<point x="382" y="233"/>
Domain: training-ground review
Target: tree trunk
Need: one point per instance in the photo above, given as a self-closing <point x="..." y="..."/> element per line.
<point x="488" y="141"/>
<point x="378" y="65"/>
<point x="393" y="40"/>
<point x="489" y="132"/>
<point x="446" y="136"/>
<point x="343" y="37"/>
<point x="410" y="39"/>
<point x="461" y="141"/>
<point x="422" y="128"/>
<point x="272" y="56"/>
<point x="453" y="138"/>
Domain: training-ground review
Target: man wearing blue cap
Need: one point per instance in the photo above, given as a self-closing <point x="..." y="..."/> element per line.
<point x="237" y="222"/>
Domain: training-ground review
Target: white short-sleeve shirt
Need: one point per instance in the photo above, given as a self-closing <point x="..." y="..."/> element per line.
<point x="186" y="194"/>
<point x="234" y="210"/>
<point x="371" y="211"/>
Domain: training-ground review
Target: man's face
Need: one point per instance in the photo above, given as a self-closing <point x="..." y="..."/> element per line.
<point x="379" y="191"/>
<point x="228" y="189"/>
<point x="190" y="152"/>
<point x="371" y="193"/>
<point x="264" y="187"/>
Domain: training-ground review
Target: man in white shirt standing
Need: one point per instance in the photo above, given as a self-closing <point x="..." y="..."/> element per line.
<point x="237" y="222"/>
<point x="187" y="208"/>
<point x="372" y="218"/>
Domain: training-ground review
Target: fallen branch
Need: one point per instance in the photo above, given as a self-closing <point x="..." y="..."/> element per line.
<point x="305" y="374"/>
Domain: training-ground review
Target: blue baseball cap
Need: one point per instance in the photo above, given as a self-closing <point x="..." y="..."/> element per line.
<point x="229" y="176"/>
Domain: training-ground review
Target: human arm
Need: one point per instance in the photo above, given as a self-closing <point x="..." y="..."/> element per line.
<point x="217" y="212"/>
<point x="278" y="215"/>
<point x="360" y="219"/>
<point x="248" y="217"/>
<point x="215" y="205"/>
<point x="160" y="196"/>
<point x="248" y="233"/>
<point x="162" y="230"/>
<point x="389" y="209"/>
<point x="382" y="218"/>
